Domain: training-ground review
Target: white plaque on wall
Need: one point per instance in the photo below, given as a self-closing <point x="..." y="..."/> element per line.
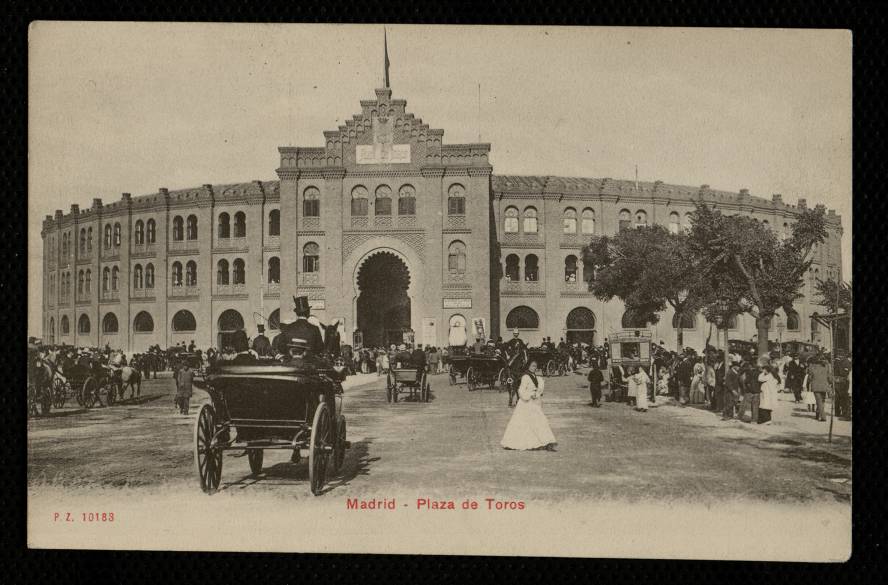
<point x="382" y="154"/>
<point x="319" y="304"/>
<point x="457" y="303"/>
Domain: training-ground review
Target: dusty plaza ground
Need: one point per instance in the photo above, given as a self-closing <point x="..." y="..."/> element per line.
<point x="449" y="448"/>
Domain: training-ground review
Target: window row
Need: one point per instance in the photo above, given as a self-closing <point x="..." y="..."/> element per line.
<point x="572" y="222"/>
<point x="579" y="319"/>
<point x="512" y="272"/>
<point x="360" y="198"/>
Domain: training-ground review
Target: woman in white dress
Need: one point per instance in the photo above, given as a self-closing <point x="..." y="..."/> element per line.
<point x="528" y="427"/>
<point x="638" y="382"/>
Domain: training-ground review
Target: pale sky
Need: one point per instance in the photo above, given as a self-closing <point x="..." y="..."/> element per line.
<point x="124" y="107"/>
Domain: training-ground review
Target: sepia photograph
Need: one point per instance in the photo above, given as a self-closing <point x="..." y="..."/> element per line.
<point x="445" y="290"/>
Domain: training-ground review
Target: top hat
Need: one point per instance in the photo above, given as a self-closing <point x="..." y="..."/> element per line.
<point x="260" y="328"/>
<point x="300" y="305"/>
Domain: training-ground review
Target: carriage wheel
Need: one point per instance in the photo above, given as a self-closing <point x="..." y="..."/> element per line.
<point x="88" y="392"/>
<point x="320" y="448"/>
<point x="110" y="392"/>
<point x="551" y="368"/>
<point x="394" y="391"/>
<point x="255" y="456"/>
<point x="339" y="445"/>
<point x="59" y="393"/>
<point x="451" y="373"/>
<point x="502" y="379"/>
<point x="470" y="378"/>
<point x="388" y="388"/>
<point x="562" y="370"/>
<point x="207" y="457"/>
<point x="424" y="389"/>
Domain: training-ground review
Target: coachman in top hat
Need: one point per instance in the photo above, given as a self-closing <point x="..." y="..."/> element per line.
<point x="300" y="331"/>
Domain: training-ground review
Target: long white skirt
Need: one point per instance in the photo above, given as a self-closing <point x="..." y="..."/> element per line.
<point x="528" y="428"/>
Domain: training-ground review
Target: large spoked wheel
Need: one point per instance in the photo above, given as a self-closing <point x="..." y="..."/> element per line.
<point x="339" y="445"/>
<point x="424" y="389"/>
<point x="502" y="379"/>
<point x="207" y="457"/>
<point x="321" y="447"/>
<point x="388" y="388"/>
<point x="551" y="368"/>
<point x="255" y="457"/>
<point x="89" y="392"/>
<point x="46" y="399"/>
<point x="470" y="379"/>
<point x="562" y="369"/>
<point x="110" y="391"/>
<point x="32" y="399"/>
<point x="60" y="392"/>
<point x="451" y="374"/>
<point x="512" y="391"/>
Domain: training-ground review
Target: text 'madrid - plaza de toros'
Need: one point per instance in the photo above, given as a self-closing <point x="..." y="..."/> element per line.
<point x="386" y="228"/>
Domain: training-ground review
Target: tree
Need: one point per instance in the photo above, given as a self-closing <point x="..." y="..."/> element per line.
<point x="647" y="268"/>
<point x="743" y="252"/>
<point x="826" y="291"/>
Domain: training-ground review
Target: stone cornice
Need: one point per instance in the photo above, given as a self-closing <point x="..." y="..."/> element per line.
<point x="432" y="172"/>
<point x="480" y="171"/>
<point x="456" y="231"/>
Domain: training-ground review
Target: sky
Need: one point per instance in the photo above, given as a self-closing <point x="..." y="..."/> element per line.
<point x="132" y="107"/>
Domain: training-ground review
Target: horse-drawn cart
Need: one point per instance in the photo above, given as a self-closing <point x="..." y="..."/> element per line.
<point x="407" y="380"/>
<point x="550" y="362"/>
<point x="458" y="365"/>
<point x="487" y="370"/>
<point x="268" y="404"/>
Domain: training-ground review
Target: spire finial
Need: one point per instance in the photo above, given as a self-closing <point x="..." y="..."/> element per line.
<point x="385" y="45"/>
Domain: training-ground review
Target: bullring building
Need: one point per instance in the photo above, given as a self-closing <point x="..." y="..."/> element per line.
<point x="386" y="228"/>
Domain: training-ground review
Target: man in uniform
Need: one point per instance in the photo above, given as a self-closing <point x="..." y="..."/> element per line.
<point x="261" y="345"/>
<point x="516" y="351"/>
<point x="301" y="328"/>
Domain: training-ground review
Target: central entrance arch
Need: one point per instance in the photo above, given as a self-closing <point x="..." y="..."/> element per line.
<point x="383" y="301"/>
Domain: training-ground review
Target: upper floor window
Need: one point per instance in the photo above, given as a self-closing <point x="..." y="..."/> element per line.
<point x="83" y="324"/>
<point x="64" y="325"/>
<point x="178" y="229"/>
<point x="88" y="280"/>
<point x="108" y="232"/>
<point x="191" y="273"/>
<point x="588" y="226"/>
<point x="64" y="245"/>
<point x="641" y="218"/>
<point x="311" y="202"/>
<point x="224" y="225"/>
<point x="149" y="276"/>
<point x="81" y="278"/>
<point x="137" y="276"/>
<point x="274" y="270"/>
<point x="512" y="262"/>
<point x="222" y="272"/>
<point x="674" y="223"/>
<point x="274" y="222"/>
<point x="311" y="258"/>
<point x="383" y="200"/>
<point x="192" y="227"/>
<point x="570" y="269"/>
<point x="456" y="200"/>
<point x="687" y="221"/>
<point x="82" y="241"/>
<point x="106" y="279"/>
<point x="359" y="201"/>
<point x="407" y="200"/>
<point x="240" y="272"/>
<point x="531" y="268"/>
<point x="240" y="225"/>
<point x="139" y="235"/>
<point x="115" y="278"/>
<point x="530" y="221"/>
<point x="116" y="235"/>
<point x="510" y="224"/>
<point x="792" y="321"/>
<point x="625" y="220"/>
<point x="569" y="221"/>
<point x="176" y="274"/>
<point x="456" y="258"/>
<point x="89" y="240"/>
<point x="151" y="231"/>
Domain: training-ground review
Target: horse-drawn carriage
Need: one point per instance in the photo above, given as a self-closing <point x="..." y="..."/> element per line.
<point x="407" y="380"/>
<point x="87" y="383"/>
<point x="40" y="389"/>
<point x="259" y="404"/>
<point x="551" y="362"/>
<point x="458" y="364"/>
<point x="487" y="370"/>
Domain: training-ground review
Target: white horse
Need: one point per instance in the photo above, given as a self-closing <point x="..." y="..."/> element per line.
<point x="128" y="376"/>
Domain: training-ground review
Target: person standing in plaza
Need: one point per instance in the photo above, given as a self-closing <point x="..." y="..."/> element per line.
<point x="732" y="390"/>
<point x="770" y="386"/>
<point x="820" y="383"/>
<point x="595" y="378"/>
<point x="528" y="428"/>
<point x="638" y="387"/>
<point x="183" y="394"/>
<point x="795" y="375"/>
<point x="751" y="392"/>
<point x="698" y="394"/>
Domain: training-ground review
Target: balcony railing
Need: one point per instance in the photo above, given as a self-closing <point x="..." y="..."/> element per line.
<point x="111" y="253"/>
<point x="310" y="278"/>
<point x="145" y="248"/>
<point x="183" y="245"/>
<point x="110" y="295"/>
<point x="231" y="243"/>
<point x="522" y="287"/>
<point x="273" y="241"/>
<point x="143" y="293"/>
<point x="406" y="221"/>
<point x="184" y="291"/>
<point x="231" y="289"/>
<point x="311" y="223"/>
<point x="273" y="288"/>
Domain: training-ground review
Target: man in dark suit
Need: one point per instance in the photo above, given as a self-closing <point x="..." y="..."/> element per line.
<point x="301" y="328"/>
<point x="261" y="345"/>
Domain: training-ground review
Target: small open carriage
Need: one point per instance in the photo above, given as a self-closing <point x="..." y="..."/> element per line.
<point x="86" y="383"/>
<point x="487" y="370"/>
<point x="550" y="361"/>
<point x="458" y="365"/>
<point x="407" y="380"/>
<point x="259" y="404"/>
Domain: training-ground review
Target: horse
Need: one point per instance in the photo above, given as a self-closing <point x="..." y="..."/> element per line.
<point x="128" y="376"/>
<point x="332" y="340"/>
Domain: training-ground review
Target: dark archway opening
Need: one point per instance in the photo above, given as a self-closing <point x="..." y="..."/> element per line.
<point x="581" y="326"/>
<point x="383" y="304"/>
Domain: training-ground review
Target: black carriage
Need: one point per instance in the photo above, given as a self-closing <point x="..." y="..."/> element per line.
<point x="410" y="380"/>
<point x="458" y="365"/>
<point x="88" y="383"/>
<point x="259" y="404"/>
<point x="41" y="397"/>
<point x="487" y="370"/>
<point x="551" y="362"/>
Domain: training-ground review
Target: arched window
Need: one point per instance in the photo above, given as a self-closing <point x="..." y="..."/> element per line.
<point x="140" y="232"/>
<point x="588" y="226"/>
<point x="51" y="330"/>
<point x="184" y="321"/>
<point x="732" y="322"/>
<point x="641" y="218"/>
<point x="192" y="227"/>
<point x="143" y="323"/>
<point x="581" y="318"/>
<point x="531" y="268"/>
<point x="456" y="200"/>
<point x="274" y="270"/>
<point x="688" y="321"/>
<point x="674" y="222"/>
<point x="88" y="281"/>
<point x="569" y="221"/>
<point x="109" y="323"/>
<point x="178" y="229"/>
<point x="191" y="273"/>
<point x="108" y="232"/>
<point x="240" y="272"/>
<point x="176" y="274"/>
<point x="311" y="258"/>
<point x="81" y="277"/>
<point x="149" y="276"/>
<point x="230" y="320"/>
<point x="792" y="321"/>
<point x="224" y="225"/>
<point x="64" y="325"/>
<point x="274" y="222"/>
<point x="274" y="320"/>
<point x="687" y="221"/>
<point x="137" y="276"/>
<point x="359" y="201"/>
<point x="240" y="225"/>
<point x="530" y="220"/>
<point x="83" y="324"/>
<point x="151" y="231"/>
<point x="522" y="318"/>
<point x="82" y="241"/>
<point x="383" y="200"/>
<point x="89" y="240"/>
<point x="64" y="245"/>
<point x="311" y="202"/>
<point x="570" y="269"/>
<point x="510" y="224"/>
<point x="222" y="272"/>
<point x="407" y="200"/>
<point x="116" y="235"/>
<point x="512" y="262"/>
<point x="115" y="278"/>
<point x="456" y="258"/>
<point x="633" y="320"/>
<point x="625" y="219"/>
